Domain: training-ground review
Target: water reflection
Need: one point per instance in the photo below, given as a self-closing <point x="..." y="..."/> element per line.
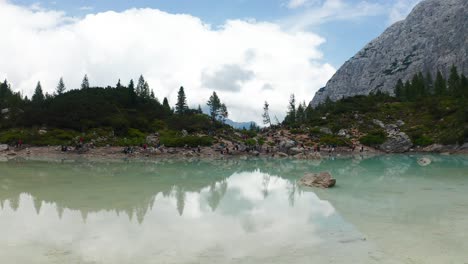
<point x="225" y="211"/>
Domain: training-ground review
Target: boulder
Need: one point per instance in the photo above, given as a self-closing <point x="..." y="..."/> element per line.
<point x="255" y="153"/>
<point x="4" y="147"/>
<point x="42" y="132"/>
<point x="397" y="143"/>
<point x="434" y="148"/>
<point x="400" y="123"/>
<point x="282" y="155"/>
<point x="300" y="156"/>
<point x="295" y="151"/>
<point x="321" y="180"/>
<point x="152" y="139"/>
<point x="184" y="133"/>
<point x="286" y="145"/>
<point x="463" y="147"/>
<point x="378" y="123"/>
<point x="343" y="133"/>
<point x="424" y="161"/>
<point x="326" y="130"/>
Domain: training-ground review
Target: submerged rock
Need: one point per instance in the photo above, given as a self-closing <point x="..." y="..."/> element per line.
<point x="424" y="161"/>
<point x="321" y="180"/>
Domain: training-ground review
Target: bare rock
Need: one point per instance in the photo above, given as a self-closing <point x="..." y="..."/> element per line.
<point x="431" y="38"/>
<point x="286" y="145"/>
<point x="4" y="147"/>
<point x="378" y="123"/>
<point x="397" y="143"/>
<point x="321" y="180"/>
<point x="282" y="155"/>
<point x="326" y="130"/>
<point x="295" y="151"/>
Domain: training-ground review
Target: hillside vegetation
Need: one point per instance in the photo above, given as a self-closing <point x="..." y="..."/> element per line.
<point x="433" y="111"/>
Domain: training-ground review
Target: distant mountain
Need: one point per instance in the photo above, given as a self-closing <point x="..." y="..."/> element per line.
<point x="239" y="125"/>
<point x="433" y="37"/>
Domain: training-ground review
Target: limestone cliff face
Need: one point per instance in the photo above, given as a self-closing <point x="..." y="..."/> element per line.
<point x="433" y="37"/>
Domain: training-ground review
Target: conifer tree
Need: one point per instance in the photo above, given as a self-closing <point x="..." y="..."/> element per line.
<point x="266" y="114"/>
<point x="131" y="92"/>
<point x="440" y="85"/>
<point x="399" y="89"/>
<point x="223" y="113"/>
<point x="214" y="103"/>
<point x="118" y="85"/>
<point x="85" y="82"/>
<point x="454" y="85"/>
<point x="181" y="105"/>
<point x="429" y="84"/>
<point x="60" y="87"/>
<point x="38" y="96"/>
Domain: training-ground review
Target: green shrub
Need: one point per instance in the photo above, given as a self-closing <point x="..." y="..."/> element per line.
<point x="373" y="138"/>
<point x="250" y="142"/>
<point x="333" y="140"/>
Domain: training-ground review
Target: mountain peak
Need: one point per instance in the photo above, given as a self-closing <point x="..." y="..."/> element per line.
<point x="433" y="37"/>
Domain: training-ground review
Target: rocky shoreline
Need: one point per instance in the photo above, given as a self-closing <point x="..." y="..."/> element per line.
<point x="117" y="153"/>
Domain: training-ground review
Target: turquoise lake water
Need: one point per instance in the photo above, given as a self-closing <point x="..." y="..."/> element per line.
<point x="384" y="209"/>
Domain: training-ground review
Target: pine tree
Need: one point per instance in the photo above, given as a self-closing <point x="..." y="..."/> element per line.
<point x="429" y="84"/>
<point x="300" y="113"/>
<point x="60" y="87"/>
<point x="464" y="86"/>
<point x="407" y="91"/>
<point x="214" y="104"/>
<point x="199" y="110"/>
<point x="223" y="113"/>
<point x="181" y="105"/>
<point x="291" y="115"/>
<point x="399" y="89"/>
<point x="266" y="114"/>
<point x="38" y="96"/>
<point x="118" y="85"/>
<point x="85" y="82"/>
<point x="440" y="85"/>
<point x="142" y="89"/>
<point x="131" y="92"/>
<point x="454" y="85"/>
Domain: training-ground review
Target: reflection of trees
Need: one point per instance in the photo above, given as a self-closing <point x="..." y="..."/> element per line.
<point x="131" y="187"/>
<point x="216" y="193"/>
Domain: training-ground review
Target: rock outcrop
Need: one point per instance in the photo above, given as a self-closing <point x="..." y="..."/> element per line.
<point x="397" y="142"/>
<point x="433" y="37"/>
<point x="321" y="180"/>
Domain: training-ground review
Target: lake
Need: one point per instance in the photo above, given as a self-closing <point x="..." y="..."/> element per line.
<point x="384" y="209"/>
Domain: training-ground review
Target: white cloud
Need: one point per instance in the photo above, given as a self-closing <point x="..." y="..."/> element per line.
<point x="320" y="12"/>
<point x="297" y="3"/>
<point x="86" y="8"/>
<point x="170" y="50"/>
<point x="400" y="9"/>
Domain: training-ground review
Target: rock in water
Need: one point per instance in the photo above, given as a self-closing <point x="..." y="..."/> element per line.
<point x="424" y="161"/>
<point x="431" y="38"/>
<point x="321" y="180"/>
<point x="4" y="147"/>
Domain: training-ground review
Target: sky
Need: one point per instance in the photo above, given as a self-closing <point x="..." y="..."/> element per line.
<point x="248" y="51"/>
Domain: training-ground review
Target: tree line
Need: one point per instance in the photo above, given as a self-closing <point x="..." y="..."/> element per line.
<point x="121" y="107"/>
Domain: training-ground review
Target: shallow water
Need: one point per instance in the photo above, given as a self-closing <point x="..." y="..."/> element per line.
<point x="385" y="209"/>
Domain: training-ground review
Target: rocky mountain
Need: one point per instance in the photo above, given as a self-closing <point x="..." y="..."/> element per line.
<point x="433" y="37"/>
